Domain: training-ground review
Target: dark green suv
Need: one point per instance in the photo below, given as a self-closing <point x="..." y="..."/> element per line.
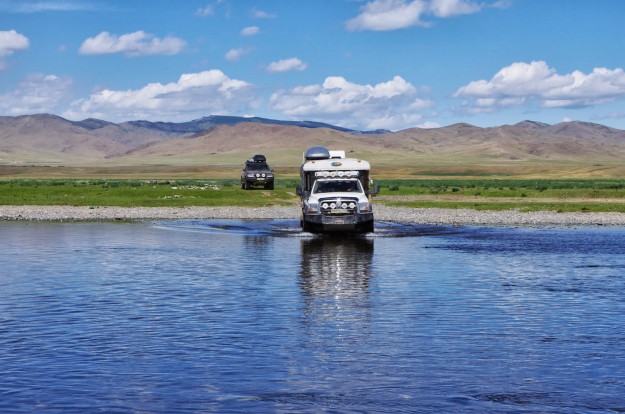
<point x="256" y="173"/>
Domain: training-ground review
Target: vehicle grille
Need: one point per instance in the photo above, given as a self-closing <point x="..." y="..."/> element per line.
<point x="334" y="205"/>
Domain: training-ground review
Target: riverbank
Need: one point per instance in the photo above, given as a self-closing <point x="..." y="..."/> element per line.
<point x="455" y="217"/>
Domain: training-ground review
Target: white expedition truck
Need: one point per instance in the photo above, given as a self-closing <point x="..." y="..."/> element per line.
<point x="335" y="193"/>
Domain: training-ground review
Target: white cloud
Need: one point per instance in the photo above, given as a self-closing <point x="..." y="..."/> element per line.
<point x="37" y="93"/>
<point x="205" y="11"/>
<point x="194" y="95"/>
<point x="382" y="15"/>
<point x="259" y="14"/>
<point x="526" y="83"/>
<point x="10" y="42"/>
<point x="250" y="31"/>
<point x="132" y="44"/>
<point x="210" y="9"/>
<point x="450" y="8"/>
<point x="388" y="15"/>
<point x="234" y="55"/>
<point x="387" y="105"/>
<point x="429" y="125"/>
<point x="286" y="65"/>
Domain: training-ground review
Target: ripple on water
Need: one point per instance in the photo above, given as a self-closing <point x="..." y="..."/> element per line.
<point x="256" y="316"/>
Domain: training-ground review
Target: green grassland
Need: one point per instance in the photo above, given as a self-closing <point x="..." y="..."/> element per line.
<point x="148" y="193"/>
<point x="564" y="195"/>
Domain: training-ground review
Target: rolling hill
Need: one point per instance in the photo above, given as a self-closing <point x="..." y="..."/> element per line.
<point x="51" y="140"/>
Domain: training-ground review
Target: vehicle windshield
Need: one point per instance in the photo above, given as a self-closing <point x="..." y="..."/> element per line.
<point x="257" y="166"/>
<point x="337" y="186"/>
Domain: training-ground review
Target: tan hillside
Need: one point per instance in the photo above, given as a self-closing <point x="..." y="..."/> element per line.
<point x="526" y="146"/>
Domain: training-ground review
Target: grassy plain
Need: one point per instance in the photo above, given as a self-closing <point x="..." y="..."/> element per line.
<point x="405" y="180"/>
<point x="564" y="195"/>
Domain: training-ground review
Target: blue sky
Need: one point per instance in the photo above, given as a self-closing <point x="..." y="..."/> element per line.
<point x="367" y="64"/>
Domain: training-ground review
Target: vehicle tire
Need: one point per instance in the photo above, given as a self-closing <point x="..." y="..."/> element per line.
<point x="269" y="186"/>
<point x="306" y="227"/>
<point x="246" y="186"/>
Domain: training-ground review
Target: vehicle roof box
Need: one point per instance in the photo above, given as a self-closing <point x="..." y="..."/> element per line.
<point x="317" y="153"/>
<point x="259" y="158"/>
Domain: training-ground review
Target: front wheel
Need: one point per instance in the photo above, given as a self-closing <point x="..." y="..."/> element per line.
<point x="366" y="227"/>
<point x="307" y="227"/>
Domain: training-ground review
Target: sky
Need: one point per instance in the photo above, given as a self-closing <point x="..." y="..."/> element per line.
<point x="361" y="64"/>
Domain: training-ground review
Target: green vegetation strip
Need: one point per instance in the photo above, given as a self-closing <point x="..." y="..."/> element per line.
<point x="145" y="193"/>
<point x="482" y="194"/>
<point x="559" y="206"/>
<point x="590" y="195"/>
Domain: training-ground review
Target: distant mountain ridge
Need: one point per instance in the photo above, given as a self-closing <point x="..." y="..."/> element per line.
<point x="206" y="123"/>
<point x="49" y="138"/>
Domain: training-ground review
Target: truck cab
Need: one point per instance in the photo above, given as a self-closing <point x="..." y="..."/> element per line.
<point x="335" y="193"/>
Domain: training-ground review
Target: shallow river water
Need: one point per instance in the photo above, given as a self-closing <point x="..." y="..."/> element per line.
<point x="253" y="316"/>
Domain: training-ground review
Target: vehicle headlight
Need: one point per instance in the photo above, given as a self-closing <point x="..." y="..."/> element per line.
<point x="257" y="175"/>
<point x="250" y="175"/>
<point x="364" y="206"/>
<point x="264" y="174"/>
<point x="312" y="207"/>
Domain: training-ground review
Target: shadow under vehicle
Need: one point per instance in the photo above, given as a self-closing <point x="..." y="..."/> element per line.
<point x="256" y="173"/>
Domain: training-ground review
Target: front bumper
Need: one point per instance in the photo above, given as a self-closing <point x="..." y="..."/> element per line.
<point x="339" y="222"/>
<point x="259" y="181"/>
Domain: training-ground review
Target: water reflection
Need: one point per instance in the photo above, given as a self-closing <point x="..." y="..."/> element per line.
<point x="336" y="267"/>
<point x="334" y="281"/>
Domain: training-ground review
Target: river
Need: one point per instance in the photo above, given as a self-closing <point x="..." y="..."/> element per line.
<point x="229" y="316"/>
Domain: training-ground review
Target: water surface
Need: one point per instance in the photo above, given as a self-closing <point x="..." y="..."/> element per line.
<point x="254" y="316"/>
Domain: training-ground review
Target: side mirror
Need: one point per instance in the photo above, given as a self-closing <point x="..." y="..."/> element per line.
<point x="375" y="191"/>
<point x="298" y="190"/>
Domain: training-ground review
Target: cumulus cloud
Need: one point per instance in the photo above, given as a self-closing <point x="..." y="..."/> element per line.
<point x="132" y="44"/>
<point x="210" y="9"/>
<point x="193" y="95"/>
<point x="383" y="15"/>
<point x="250" y="31"/>
<point x="387" y="105"/>
<point x="526" y="83"/>
<point x="260" y="14"/>
<point x="205" y="11"/>
<point x="11" y="42"/>
<point x="286" y="65"/>
<point x="234" y="55"/>
<point x="37" y="93"/>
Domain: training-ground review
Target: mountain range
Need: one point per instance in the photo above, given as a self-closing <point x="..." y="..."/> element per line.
<point x="51" y="140"/>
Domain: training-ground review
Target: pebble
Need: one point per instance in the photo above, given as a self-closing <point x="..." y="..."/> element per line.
<point x="437" y="216"/>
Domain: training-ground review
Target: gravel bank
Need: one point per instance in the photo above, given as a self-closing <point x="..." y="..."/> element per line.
<point x="454" y="217"/>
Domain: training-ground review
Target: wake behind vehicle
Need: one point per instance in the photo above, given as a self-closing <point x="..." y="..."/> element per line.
<point x="256" y="172"/>
<point x="335" y="193"/>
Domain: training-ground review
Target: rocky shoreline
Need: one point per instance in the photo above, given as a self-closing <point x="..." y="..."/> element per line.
<point x="437" y="216"/>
